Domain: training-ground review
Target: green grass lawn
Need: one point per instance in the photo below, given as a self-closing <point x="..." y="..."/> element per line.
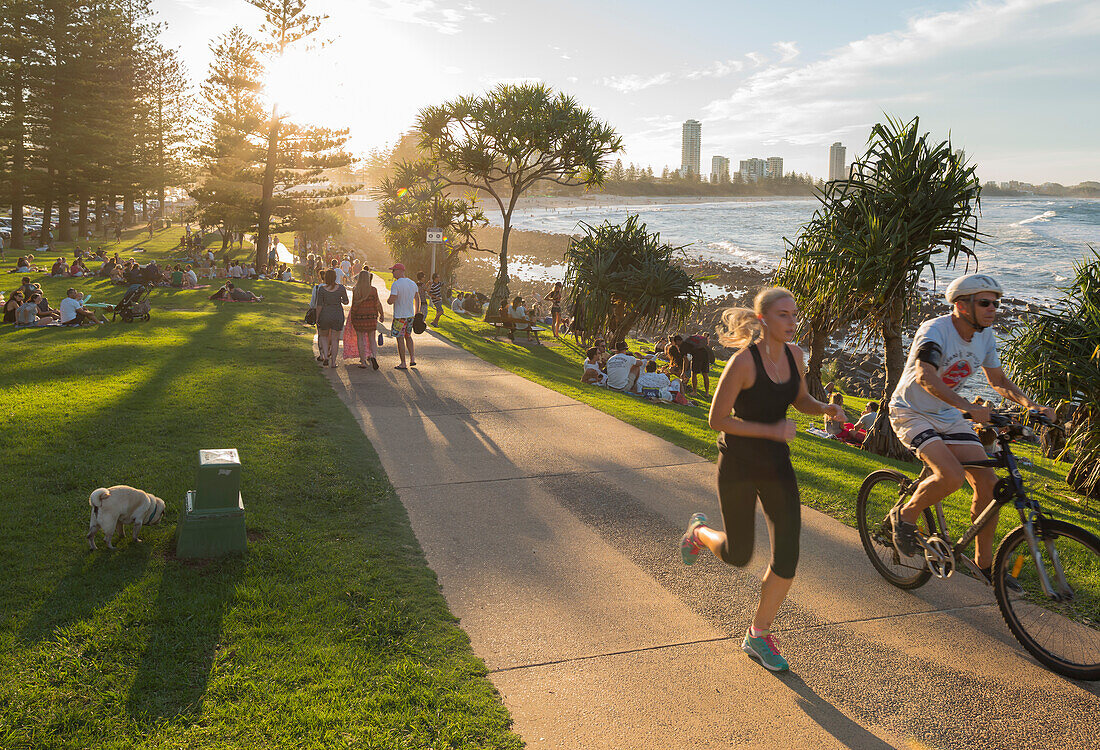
<point x="330" y="632"/>
<point x="829" y="472"/>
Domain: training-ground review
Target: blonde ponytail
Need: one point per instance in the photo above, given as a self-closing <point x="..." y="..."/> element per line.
<point x="741" y="326"/>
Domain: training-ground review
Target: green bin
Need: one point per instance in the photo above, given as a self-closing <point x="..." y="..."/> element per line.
<point x="212" y="523"/>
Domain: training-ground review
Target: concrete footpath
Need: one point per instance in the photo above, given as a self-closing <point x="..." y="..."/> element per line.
<point x="554" y="529"/>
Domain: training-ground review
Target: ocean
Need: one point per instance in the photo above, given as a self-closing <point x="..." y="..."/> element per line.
<point x="1031" y="246"/>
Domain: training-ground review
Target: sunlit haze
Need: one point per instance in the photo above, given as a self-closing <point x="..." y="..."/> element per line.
<point x="1012" y="82"/>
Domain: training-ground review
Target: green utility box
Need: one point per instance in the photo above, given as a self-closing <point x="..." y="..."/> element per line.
<point x="213" y="514"/>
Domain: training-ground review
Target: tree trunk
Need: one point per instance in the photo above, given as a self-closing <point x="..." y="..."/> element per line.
<point x="18" y="134"/>
<point x="880" y="438"/>
<point x="100" y="219"/>
<point x="819" y="338"/>
<point x="47" y="215"/>
<point x="82" y="216"/>
<point x="267" y="198"/>
<point x="500" y="288"/>
<point x="64" y="228"/>
<point x="128" y="219"/>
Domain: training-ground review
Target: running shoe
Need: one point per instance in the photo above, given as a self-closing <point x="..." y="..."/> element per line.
<point x="906" y="541"/>
<point x="764" y="650"/>
<point x="689" y="546"/>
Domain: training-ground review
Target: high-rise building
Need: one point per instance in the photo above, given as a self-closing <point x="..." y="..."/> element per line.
<point x="774" y="167"/>
<point x="690" y="148"/>
<point x="837" y="167"/>
<point x="753" y="170"/>
<point x="719" y="169"/>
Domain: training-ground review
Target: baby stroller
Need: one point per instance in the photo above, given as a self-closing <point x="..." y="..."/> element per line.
<point x="134" y="304"/>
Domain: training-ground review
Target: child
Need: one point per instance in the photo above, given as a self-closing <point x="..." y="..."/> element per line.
<point x="592" y="372"/>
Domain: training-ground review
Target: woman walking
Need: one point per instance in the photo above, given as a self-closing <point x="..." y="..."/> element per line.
<point x="363" y="317"/>
<point x="749" y="409"/>
<point x="331" y="298"/>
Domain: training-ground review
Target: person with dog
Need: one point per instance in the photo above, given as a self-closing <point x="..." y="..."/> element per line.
<point x="331" y="298"/>
<point x="405" y="298"/>
<point x="759" y="384"/>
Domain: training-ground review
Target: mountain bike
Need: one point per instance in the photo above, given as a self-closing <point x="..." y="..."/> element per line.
<point x="1046" y="572"/>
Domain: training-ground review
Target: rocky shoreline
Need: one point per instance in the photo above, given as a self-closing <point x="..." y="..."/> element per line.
<point x="536" y="261"/>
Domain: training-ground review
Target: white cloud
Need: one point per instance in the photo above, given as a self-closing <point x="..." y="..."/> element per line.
<point x="755" y="58"/>
<point x="787" y="51"/>
<point x="443" y="17"/>
<point x="821" y="100"/>
<point x="628" y="84"/>
<point x="717" y="69"/>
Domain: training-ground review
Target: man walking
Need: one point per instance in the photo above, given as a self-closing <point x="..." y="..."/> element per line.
<point x="405" y="298"/>
<point x="435" y="296"/>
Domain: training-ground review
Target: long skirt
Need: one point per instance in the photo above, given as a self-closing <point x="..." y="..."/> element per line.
<point x="351" y="343"/>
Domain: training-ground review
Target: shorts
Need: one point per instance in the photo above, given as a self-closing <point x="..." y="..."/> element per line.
<point x="915" y="430"/>
<point x="438" y="305"/>
<point x="402" y="327"/>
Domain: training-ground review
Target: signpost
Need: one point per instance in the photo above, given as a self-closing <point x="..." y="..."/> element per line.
<point x="435" y="239"/>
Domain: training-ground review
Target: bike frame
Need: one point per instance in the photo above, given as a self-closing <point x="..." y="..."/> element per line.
<point x="1031" y="519"/>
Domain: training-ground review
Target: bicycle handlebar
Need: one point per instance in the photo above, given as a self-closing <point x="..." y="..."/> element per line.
<point x="1005" y="418"/>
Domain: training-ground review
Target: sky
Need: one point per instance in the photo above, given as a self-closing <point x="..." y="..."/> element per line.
<point x="1016" y="83"/>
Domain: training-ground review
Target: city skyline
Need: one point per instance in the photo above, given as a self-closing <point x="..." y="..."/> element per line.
<point x="1003" y="78"/>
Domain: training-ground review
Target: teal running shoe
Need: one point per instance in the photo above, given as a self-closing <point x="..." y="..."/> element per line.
<point x="689" y="547"/>
<point x="764" y="650"/>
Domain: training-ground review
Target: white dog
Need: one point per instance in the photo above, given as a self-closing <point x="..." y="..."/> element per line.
<point x="114" y="508"/>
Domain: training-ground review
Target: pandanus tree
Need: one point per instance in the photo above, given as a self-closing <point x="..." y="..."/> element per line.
<point x="1055" y="356"/>
<point x="410" y="203"/>
<point x="621" y="277"/>
<point x="908" y="205"/>
<point x="509" y="140"/>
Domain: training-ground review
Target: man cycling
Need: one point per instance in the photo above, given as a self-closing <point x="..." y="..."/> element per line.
<point x="926" y="410"/>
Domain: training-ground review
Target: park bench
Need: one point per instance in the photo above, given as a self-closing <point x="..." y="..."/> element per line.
<point x="531" y="330"/>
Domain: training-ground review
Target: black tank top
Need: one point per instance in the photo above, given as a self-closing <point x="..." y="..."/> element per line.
<point x="765" y="401"/>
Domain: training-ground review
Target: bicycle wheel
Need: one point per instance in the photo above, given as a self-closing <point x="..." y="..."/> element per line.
<point x="878" y="494"/>
<point x="1063" y="635"/>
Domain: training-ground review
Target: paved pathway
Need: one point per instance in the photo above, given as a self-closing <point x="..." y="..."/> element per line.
<point x="553" y="529"/>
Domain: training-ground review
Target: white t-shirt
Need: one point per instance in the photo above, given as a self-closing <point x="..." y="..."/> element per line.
<point x="867" y="421"/>
<point x="958" y="361"/>
<point x="339" y="274"/>
<point x="345" y="266"/>
<point x="193" y="276"/>
<point x="404" y="291"/>
<point x="656" y="381"/>
<point x="618" y="370"/>
<point x="68" y="308"/>
<point x="456" y="305"/>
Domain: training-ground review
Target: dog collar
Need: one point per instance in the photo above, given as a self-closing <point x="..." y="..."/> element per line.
<point x="152" y="513"/>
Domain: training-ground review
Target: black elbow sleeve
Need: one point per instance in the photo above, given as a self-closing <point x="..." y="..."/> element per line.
<point x="931" y="353"/>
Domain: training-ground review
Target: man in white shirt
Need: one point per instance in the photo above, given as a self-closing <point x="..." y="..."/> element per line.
<point x="345" y="266"/>
<point x="73" y="312"/>
<point x="339" y="272"/>
<point x="623" y="369"/>
<point x="405" y="298"/>
<point x="654" y="385"/>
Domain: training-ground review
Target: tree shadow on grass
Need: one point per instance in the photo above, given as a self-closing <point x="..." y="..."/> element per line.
<point x="91" y="581"/>
<point x="175" y="667"/>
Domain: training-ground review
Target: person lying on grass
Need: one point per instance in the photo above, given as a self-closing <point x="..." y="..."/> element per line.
<point x="231" y="293"/>
<point x="592" y="372"/>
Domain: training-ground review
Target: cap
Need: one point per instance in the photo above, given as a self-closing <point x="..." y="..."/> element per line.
<point x="397" y="267"/>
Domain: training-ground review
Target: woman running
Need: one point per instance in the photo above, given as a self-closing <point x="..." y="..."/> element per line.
<point x="758" y="385"/>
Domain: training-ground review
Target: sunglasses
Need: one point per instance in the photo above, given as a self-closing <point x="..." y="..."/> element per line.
<point x="994" y="303"/>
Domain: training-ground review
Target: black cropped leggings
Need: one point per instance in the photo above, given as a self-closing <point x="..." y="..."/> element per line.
<point x="743" y="478"/>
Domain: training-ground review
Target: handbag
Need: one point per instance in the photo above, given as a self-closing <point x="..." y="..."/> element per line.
<point x="419" y="326"/>
<point x="311" y="316"/>
<point x="381" y="338"/>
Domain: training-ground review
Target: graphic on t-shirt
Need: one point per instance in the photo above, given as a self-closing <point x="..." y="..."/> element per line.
<point x="957" y="373"/>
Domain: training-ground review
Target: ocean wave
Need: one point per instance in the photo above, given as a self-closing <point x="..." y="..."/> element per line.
<point x="1043" y="217"/>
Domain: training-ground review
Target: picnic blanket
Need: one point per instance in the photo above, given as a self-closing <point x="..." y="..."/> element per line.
<point x="817" y="431"/>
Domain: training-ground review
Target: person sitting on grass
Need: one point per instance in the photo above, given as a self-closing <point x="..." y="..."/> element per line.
<point x="190" y="278"/>
<point x="472" y="304"/>
<point x="834" y="425"/>
<point x="839" y="427"/>
<point x="44" y="309"/>
<point x="118" y="275"/>
<point x="11" y="307"/>
<point x="653" y="385"/>
<point x="592" y="372"/>
<point x="623" y="369"/>
<point x="867" y="419"/>
<point x="23" y="265"/>
<point x="456" y="305"/>
<point x="59" y="268"/>
<point x="73" y="312"/>
<point x="78" y="269"/>
<point x="28" y="313"/>
<point x="175" y="279"/>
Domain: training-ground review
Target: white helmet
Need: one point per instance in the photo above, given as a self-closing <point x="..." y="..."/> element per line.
<point x="973" y="283"/>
